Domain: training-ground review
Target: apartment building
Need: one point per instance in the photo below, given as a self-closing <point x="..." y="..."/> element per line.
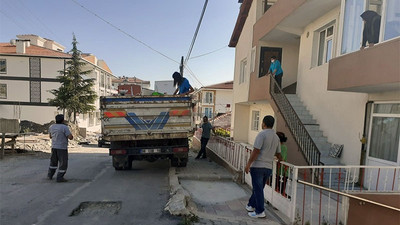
<point x="29" y="67"/>
<point x="213" y="100"/>
<point x="339" y="93"/>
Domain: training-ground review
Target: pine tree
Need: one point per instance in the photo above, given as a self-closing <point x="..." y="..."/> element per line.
<point x="76" y="94"/>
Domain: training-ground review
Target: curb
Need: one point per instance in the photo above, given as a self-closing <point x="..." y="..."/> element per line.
<point x="179" y="197"/>
<point x="206" y="177"/>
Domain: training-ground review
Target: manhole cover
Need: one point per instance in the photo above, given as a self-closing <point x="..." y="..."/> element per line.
<point x="97" y="208"/>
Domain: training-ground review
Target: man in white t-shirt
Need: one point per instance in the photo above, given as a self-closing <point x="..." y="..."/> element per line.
<point x="59" y="134"/>
<point x="266" y="147"/>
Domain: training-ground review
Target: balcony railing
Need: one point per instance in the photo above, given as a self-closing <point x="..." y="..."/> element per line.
<point x="300" y="134"/>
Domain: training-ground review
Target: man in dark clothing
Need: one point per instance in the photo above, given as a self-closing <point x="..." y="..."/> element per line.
<point x="372" y="25"/>
<point x="59" y="135"/>
<point x="205" y="136"/>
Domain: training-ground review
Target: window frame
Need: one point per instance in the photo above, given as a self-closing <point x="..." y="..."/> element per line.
<point x="255" y="120"/>
<point x="208" y="95"/>
<point x="366" y="7"/>
<point x="210" y="109"/>
<point x="6" y="91"/>
<point x="243" y="71"/>
<point x="381" y="115"/>
<point x="325" y="46"/>
<point x="5" y="62"/>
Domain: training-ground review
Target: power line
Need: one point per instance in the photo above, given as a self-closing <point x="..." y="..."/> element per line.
<point x="124" y="32"/>
<point x="196" y="32"/>
<point x="37" y="18"/>
<point x="12" y="20"/>
<point x="194" y="76"/>
<point x="216" y="50"/>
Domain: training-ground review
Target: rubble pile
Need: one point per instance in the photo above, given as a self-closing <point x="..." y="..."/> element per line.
<point x="35" y="137"/>
<point x="29" y="126"/>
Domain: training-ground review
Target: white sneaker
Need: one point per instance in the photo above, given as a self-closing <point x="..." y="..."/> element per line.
<point x="255" y="215"/>
<point x="250" y="209"/>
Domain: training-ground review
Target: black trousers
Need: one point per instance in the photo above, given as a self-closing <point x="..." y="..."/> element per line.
<point x="278" y="79"/>
<point x="204" y="142"/>
<point x="59" y="158"/>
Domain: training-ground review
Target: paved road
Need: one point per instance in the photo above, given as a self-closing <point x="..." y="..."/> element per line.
<point x="137" y="196"/>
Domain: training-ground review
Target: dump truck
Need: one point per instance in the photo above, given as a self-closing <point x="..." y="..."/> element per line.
<point x="147" y="128"/>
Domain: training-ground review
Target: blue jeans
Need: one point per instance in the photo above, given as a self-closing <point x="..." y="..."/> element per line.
<point x="259" y="177"/>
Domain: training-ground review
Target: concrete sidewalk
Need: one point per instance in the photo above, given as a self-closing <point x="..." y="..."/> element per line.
<point x="214" y="196"/>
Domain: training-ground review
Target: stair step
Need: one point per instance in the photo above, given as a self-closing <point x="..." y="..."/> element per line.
<point x="330" y="161"/>
<point x="315" y="133"/>
<point x="305" y="117"/>
<point x="320" y="139"/>
<point x="312" y="127"/>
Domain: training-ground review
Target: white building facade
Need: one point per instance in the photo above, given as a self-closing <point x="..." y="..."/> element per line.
<point x="318" y="43"/>
<point x="27" y="74"/>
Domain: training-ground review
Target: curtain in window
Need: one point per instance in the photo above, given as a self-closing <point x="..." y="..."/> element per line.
<point x="352" y="26"/>
<point x="385" y="138"/>
<point x="392" y="22"/>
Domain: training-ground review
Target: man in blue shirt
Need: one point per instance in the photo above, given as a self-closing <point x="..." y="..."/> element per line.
<point x="59" y="135"/>
<point x="184" y="87"/>
<point x="276" y="70"/>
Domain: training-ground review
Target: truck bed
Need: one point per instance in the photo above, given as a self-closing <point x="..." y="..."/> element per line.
<point x="146" y="117"/>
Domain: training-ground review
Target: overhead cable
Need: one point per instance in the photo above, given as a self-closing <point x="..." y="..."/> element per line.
<point x="196" y="32"/>
<point x="216" y="50"/>
<point x="124" y="32"/>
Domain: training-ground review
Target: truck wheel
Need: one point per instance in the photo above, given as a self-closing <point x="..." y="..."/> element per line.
<point x="174" y="162"/>
<point x="118" y="167"/>
<point x="129" y="165"/>
<point x="99" y="144"/>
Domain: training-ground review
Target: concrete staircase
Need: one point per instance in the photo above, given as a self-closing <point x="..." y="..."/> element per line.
<point x="313" y="129"/>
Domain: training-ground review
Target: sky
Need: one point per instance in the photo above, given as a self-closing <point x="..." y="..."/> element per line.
<point x="166" y="26"/>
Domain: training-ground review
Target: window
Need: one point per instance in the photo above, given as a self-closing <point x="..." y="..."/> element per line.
<point x="253" y="60"/>
<point x="268" y="4"/>
<point x="3" y="66"/>
<point x="208" y="111"/>
<point x="208" y="97"/>
<point x="325" y="45"/>
<point x="243" y="70"/>
<point x="102" y="79"/>
<point x="255" y="120"/>
<point x="392" y="20"/>
<point x="389" y="27"/>
<point x="385" y="132"/>
<point x="352" y="26"/>
<point x="3" y="91"/>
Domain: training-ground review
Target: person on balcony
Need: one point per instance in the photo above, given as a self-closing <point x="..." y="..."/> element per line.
<point x="266" y="146"/>
<point x="205" y="136"/>
<point x="372" y="25"/>
<point x="276" y="71"/>
<point x="183" y="85"/>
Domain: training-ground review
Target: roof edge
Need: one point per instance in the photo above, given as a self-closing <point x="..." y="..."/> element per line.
<point x="243" y="13"/>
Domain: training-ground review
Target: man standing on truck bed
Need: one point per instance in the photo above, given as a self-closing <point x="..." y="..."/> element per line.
<point x="184" y="87"/>
<point x="59" y="135"/>
<point x="205" y="136"/>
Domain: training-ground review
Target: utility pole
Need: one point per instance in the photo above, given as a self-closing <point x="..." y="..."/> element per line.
<point x="181" y="67"/>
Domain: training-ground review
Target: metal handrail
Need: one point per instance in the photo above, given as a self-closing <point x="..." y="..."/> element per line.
<point x="303" y="139"/>
<point x="348" y="195"/>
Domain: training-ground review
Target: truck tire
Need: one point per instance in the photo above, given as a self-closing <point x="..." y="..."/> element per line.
<point x="176" y="162"/>
<point x="99" y="144"/>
